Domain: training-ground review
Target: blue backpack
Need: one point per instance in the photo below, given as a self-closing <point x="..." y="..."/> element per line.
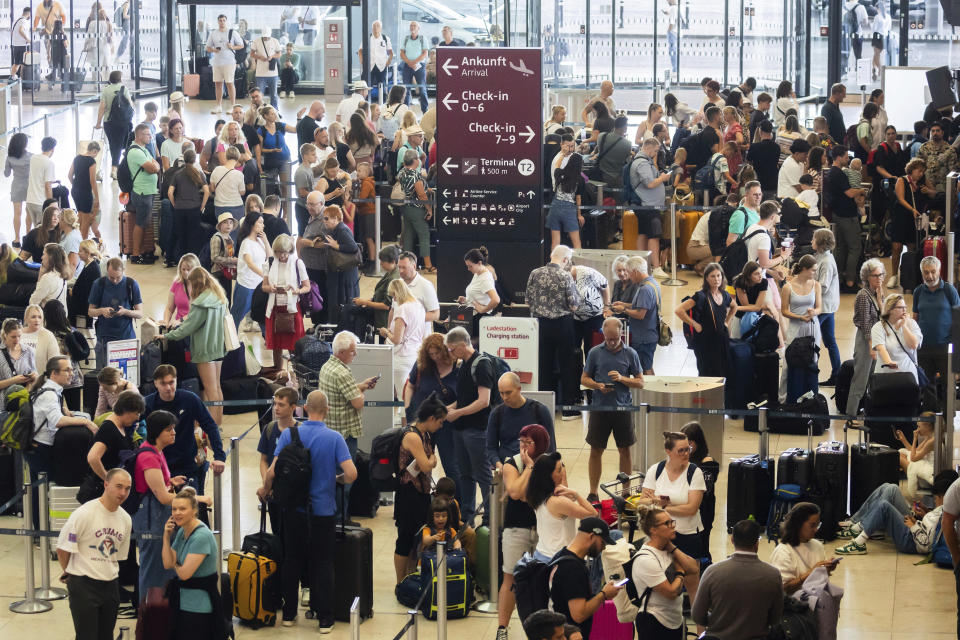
<point x="940" y="553"/>
<point x="630" y="195"/>
<point x="706" y="178"/>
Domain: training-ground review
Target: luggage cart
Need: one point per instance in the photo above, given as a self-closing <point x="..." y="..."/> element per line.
<point x="625" y="492"/>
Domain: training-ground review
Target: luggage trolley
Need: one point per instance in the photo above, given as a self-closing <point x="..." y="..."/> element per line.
<point x="625" y="493"/>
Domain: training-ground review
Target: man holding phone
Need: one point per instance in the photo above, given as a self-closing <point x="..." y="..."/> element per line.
<point x="222" y="43"/>
<point x="611" y="371"/>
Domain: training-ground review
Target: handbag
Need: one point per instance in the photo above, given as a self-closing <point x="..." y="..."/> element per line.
<point x="284" y="322"/>
<point x="594" y="172"/>
<point x="397" y="194"/>
<point x="340" y="261"/>
<point x="231" y="341"/>
<point x="90" y="489"/>
<point x="272" y="62"/>
<point x="664" y="332"/>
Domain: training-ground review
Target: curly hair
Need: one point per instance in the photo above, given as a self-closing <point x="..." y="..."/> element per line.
<point x="425" y="364"/>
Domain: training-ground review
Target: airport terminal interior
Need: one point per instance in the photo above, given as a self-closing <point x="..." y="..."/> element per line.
<point x="647" y="48"/>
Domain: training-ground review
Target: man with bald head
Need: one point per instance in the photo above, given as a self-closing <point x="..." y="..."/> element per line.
<point x="513" y="414"/>
<point x="310" y="122"/>
<point x="606" y="97"/>
<point x="308" y="535"/>
<point x="611" y="371"/>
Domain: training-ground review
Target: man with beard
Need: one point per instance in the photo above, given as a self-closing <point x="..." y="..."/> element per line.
<point x="570" y="589"/>
<point x="941" y="159"/>
<point x="932" y="302"/>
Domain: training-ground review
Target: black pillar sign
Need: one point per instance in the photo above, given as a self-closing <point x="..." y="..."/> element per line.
<point x="489" y="184"/>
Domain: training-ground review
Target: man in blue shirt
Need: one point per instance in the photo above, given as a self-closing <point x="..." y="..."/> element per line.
<point x="190" y="411"/>
<point x="414" y="55"/>
<point x="932" y="304"/>
<point x="612" y="369"/>
<point x="329" y="459"/>
<point x="115" y="301"/>
<point x="642" y="313"/>
<point x="510" y="416"/>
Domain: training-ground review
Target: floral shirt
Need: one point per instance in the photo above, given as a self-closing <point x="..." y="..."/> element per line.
<point x="551" y="292"/>
<point x="941" y="159"/>
<point x="408" y="179"/>
<point x="590" y="286"/>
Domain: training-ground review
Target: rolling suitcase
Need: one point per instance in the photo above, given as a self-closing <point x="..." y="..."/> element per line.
<point x="739" y="389"/>
<point x="353" y="568"/>
<point x="830" y="472"/>
<point x="459" y="585"/>
<point x="607" y="626"/>
<point x="686" y="222"/>
<point x="154" y="616"/>
<point x="127" y="219"/>
<point x="364" y="499"/>
<point x="795" y="465"/>
<point x="191" y="84"/>
<point x="891" y="395"/>
<point x="841" y="391"/>
<point x="255" y="585"/>
<point x="69" y="463"/>
<point x="267" y="545"/>
<point x="242" y="388"/>
<point x="750" y="486"/>
<point x="766" y="368"/>
<point x="871" y="465"/>
<point x="936" y="246"/>
<point x="630" y="230"/>
<point x="9" y="481"/>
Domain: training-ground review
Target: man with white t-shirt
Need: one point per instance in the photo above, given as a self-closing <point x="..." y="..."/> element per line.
<point x="420" y="287"/>
<point x="788" y="180"/>
<point x="42" y="177"/>
<point x="91" y="543"/>
<point x="349" y="105"/>
<point x="266" y="53"/>
<point x="308" y="26"/>
<point x="381" y="55"/>
<point x="222" y="42"/>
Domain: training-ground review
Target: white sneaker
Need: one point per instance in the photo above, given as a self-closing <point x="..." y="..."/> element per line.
<point x="289" y="623"/>
<point x="893" y="282"/>
<point x="660" y="273"/>
<point x="283" y="94"/>
<point x="218" y="109"/>
<point x="291" y="95"/>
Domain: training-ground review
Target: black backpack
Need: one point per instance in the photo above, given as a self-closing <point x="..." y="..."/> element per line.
<point x="125" y="177"/>
<point x="291" y="483"/>
<point x="385" y="459"/>
<point x="240" y="55"/>
<point x="121" y="109"/>
<point x="77" y="346"/>
<point x="531" y="583"/>
<point x="500" y="367"/>
<point x="735" y="256"/>
<point x="765" y="334"/>
<point x="718" y="225"/>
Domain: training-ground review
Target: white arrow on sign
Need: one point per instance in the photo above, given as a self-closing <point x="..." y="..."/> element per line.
<point x="447" y="101"/>
<point x="447" y="166"/>
<point x="446" y="220"/>
<point x="531" y="194"/>
<point x="447" y="65"/>
<point x="529" y="135"/>
<point x="446" y="206"/>
<point x="446" y="193"/>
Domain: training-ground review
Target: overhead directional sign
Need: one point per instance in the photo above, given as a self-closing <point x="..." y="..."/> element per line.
<point x="489" y="155"/>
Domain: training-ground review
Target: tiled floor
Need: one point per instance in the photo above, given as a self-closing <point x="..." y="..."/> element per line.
<point x="887" y="598"/>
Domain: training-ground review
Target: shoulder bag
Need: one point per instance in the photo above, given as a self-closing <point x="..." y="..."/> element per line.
<point x="664" y="332"/>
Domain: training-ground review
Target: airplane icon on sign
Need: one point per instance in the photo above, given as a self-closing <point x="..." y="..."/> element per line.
<point x="522" y="68"/>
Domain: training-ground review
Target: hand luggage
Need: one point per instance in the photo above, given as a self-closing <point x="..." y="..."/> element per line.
<point x="127" y="220"/>
<point x="891" y="395"/>
<point x="242" y="388"/>
<point x="686" y="222"/>
<point x="165" y="237"/>
<point x="312" y="352"/>
<point x="91" y="392"/>
<point x="17" y="294"/>
<point x="70" y="446"/>
<point x="630" y="230"/>
<point x="750" y="486"/>
<point x="364" y="499"/>
<point x="234" y="364"/>
<point x="255" y="584"/>
<point x="767" y="374"/>
<point x="830" y="472"/>
<point x="816" y="405"/>
<point x="482" y="569"/>
<point x="191" y="84"/>
<point x="151" y="357"/>
<point x="795" y="466"/>
<point x="936" y="246"/>
<point x="353" y="569"/>
<point x="176" y="353"/>
<point x="267" y="545"/>
<point x="841" y="391"/>
<point x="154" y="616"/>
<point x="739" y="389"/>
<point x="871" y="465"/>
<point x="910" y="270"/>
<point x="459" y="586"/>
<point x="9" y="481"/>
<point x="409" y="590"/>
<point x="607" y="626"/>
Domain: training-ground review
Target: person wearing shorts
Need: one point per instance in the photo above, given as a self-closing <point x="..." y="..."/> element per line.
<point x="612" y="369"/>
<point x="19" y="41"/>
<point x="519" y="520"/>
<point x="564" y="215"/>
<point x="145" y="171"/>
<point x="648" y="183"/>
<point x="221" y="43"/>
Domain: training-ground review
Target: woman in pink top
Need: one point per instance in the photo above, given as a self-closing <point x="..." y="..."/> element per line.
<point x="178" y="300"/>
<point x="733" y="132"/>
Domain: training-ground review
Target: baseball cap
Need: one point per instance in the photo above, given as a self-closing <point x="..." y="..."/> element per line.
<point x="597" y="527"/>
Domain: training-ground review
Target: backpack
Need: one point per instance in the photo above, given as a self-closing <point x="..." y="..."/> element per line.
<point x="718" y="225"/>
<point x="801" y="353"/>
<point x="688" y="333"/>
<point x="764" y="334"/>
<point x="128" y="460"/>
<point x="706" y="178"/>
<point x="389" y="123"/>
<point x="691" y="469"/>
<point x="121" y="110"/>
<point x="240" y="55"/>
<point x="291" y="486"/>
<point x="872" y="159"/>
<point x="694" y="146"/>
<point x="940" y="553"/>
<point x="793" y="213"/>
<point x="784" y="498"/>
<point x="850" y="138"/>
<point x="385" y="459"/>
<point x="735" y="256"/>
<point x="630" y="195"/>
<point x="125" y="177"/>
<point x="850" y="20"/>
<point x="531" y="583"/>
<point x="18" y="428"/>
<point x="500" y="367"/>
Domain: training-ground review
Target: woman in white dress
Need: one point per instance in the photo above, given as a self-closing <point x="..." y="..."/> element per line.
<point x="896" y="337"/>
<point x="799" y="553"/>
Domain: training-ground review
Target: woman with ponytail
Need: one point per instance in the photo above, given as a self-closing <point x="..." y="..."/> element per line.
<point x="801" y="303"/>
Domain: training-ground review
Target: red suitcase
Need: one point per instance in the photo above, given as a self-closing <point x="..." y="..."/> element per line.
<point x="154" y="616"/>
<point x="127" y="219"/>
<point x="937" y="246"/>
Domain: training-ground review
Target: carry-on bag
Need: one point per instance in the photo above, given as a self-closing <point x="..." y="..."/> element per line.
<point x="353" y="568"/>
<point x="871" y="465"/>
<point x="750" y="485"/>
<point x="255" y="585"/>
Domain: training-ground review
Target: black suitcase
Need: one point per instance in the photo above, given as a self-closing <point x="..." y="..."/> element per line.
<point x="910" y="277"/>
<point x="798" y="426"/>
<point x="871" y="465"/>
<point x="830" y="472"/>
<point x="91" y="392"/>
<point x="750" y="486"/>
<point x="264" y="544"/>
<point x="242" y="388"/>
<point x="841" y="392"/>
<point x="9" y="481"/>
<point x="69" y="465"/>
<point x="353" y="570"/>
<point x="364" y="499"/>
<point x="767" y="369"/>
<point x="795" y="465"/>
<point x="207" y="89"/>
<point x="739" y="390"/>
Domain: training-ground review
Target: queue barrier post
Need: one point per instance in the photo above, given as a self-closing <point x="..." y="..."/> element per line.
<point x="30" y="603"/>
<point x="943" y="452"/>
<point x="235" y="492"/>
<point x="673" y="281"/>
<point x="218" y="515"/>
<point x="638" y="449"/>
<point x="376" y="234"/>
<point x="764" y="432"/>
<point x="496" y="493"/>
<point x="76" y="122"/>
<point x="124" y="634"/>
<point x="46" y="125"/>
<point x="45" y="591"/>
<point x="414" y="627"/>
<point x="442" y="590"/>
<point x="19" y="105"/>
<point x="355" y="619"/>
